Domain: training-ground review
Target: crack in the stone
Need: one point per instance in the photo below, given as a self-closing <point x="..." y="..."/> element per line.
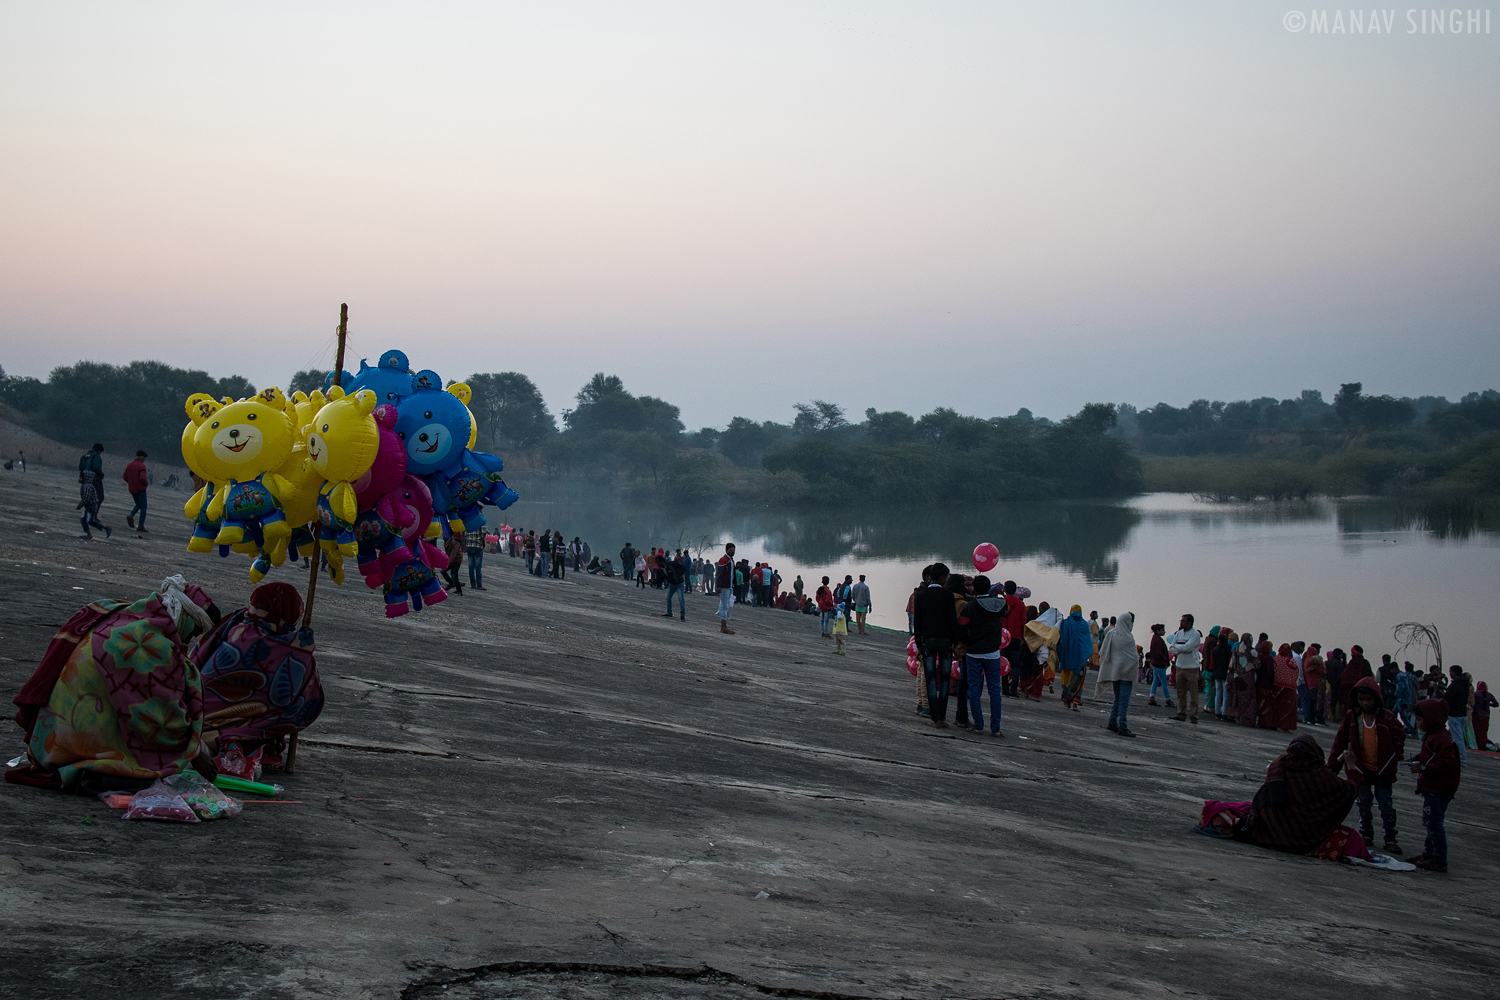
<point x="433" y="986"/>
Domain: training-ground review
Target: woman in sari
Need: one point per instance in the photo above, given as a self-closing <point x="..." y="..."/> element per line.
<point x="1265" y="680"/>
<point x="1283" y="707"/>
<point x="116" y="701"/>
<point x="1245" y="663"/>
<point x="1075" y="646"/>
<point x="1039" y="640"/>
<point x="260" y="677"/>
<point x="1299" y="809"/>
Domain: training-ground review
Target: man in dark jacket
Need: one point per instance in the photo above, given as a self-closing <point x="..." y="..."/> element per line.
<point x="982" y="621"/>
<point x="93" y="461"/>
<point x="724" y="580"/>
<point x="1457" y="697"/>
<point x="1377" y="738"/>
<point x="935" y="625"/>
<point x="1357" y="669"/>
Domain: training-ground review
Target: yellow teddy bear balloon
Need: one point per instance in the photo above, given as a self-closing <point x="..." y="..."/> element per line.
<point x="342" y="441"/>
<point x="298" y="493"/>
<point x="200" y="406"/>
<point x="240" y="446"/>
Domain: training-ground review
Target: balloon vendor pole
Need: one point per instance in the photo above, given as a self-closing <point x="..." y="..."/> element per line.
<point x="317" y="557"/>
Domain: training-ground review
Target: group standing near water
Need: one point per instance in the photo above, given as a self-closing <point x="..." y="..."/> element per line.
<point x="960" y="626"/>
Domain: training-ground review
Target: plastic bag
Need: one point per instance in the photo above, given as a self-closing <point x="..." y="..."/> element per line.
<point x="913" y="659"/>
<point x="234" y="762"/>
<point x="160" y="801"/>
<point x="202" y="797"/>
<point x="116" y="800"/>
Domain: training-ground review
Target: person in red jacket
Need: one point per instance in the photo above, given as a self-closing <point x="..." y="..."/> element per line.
<point x="136" y="481"/>
<point x="1377" y="738"/>
<point x="824" y="597"/>
<point x="1438" y="772"/>
<point x="1015" y="624"/>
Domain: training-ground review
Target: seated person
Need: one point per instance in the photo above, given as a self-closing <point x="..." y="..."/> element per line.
<point x="1299" y="809"/>
<point x="260" y="677"/>
<point x="114" y="704"/>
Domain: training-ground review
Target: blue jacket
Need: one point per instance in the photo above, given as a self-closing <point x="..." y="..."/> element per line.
<point x="1075" y="644"/>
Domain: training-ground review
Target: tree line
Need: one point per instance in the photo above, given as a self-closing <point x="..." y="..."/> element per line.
<point x="1262" y="447"/>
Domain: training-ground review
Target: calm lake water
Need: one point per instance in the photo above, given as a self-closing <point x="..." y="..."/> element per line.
<point x="1333" y="572"/>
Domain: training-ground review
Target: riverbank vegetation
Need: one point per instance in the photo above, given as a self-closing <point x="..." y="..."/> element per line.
<point x="1424" y="450"/>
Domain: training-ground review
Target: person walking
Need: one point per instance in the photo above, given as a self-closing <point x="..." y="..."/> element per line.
<point x="982" y="622"/>
<point x="137" y="478"/>
<point x="840" y="630"/>
<point x="676" y="585"/>
<point x="724" y="580"/>
<point x="93" y="461"/>
<point x="627" y="560"/>
<point x="1118" y="662"/>
<point x="1075" y="647"/>
<point x="474" y="544"/>
<point x="453" y="548"/>
<point x="861" y="595"/>
<point x="1184" y="644"/>
<point x="936" y="625"/>
<point x="88" y="502"/>
<point x="529" y="545"/>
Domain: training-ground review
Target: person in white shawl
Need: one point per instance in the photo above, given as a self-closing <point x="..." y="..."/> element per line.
<point x="1052" y="618"/>
<point x="1118" y="663"/>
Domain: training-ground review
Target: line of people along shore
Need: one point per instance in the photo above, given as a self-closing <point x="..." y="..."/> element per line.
<point x="972" y="635"/>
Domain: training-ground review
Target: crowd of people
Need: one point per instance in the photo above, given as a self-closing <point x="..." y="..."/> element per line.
<point x="972" y="635"/>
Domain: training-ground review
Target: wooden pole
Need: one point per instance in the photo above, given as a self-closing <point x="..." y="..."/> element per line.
<point x="317" y="556"/>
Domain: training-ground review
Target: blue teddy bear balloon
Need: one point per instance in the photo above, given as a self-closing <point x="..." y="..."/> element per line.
<point x="434" y="425"/>
<point x="390" y="378"/>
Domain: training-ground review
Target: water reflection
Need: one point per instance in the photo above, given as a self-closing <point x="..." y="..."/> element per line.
<point x="1079" y="538"/>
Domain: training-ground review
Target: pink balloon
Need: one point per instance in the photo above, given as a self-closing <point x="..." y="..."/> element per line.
<point x="986" y="557"/>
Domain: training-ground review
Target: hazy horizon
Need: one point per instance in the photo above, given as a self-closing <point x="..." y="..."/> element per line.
<point x="737" y="207"/>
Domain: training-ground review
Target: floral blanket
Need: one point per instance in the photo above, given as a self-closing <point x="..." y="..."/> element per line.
<point x="116" y="694"/>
